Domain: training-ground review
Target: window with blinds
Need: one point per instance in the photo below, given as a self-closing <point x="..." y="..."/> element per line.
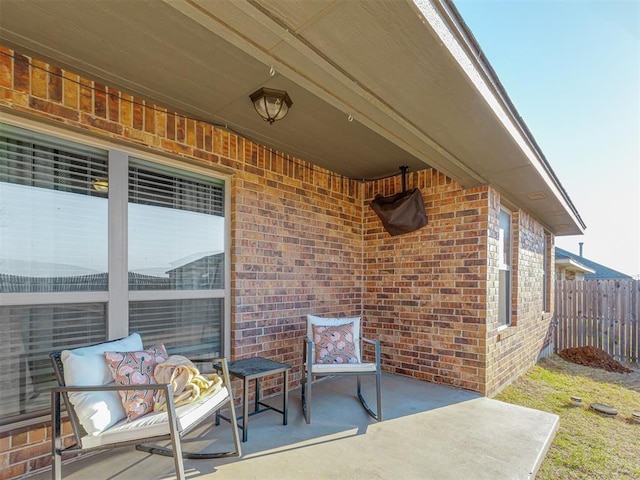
<point x="57" y="200"/>
<point x="170" y="188"/>
<point x="45" y="162"/>
<point x="53" y="223"/>
<point x="176" y="242"/>
<point x="176" y="229"/>
<point x="504" y="268"/>
<point x="29" y="335"/>
<point x="547" y="241"/>
<point x="192" y="328"/>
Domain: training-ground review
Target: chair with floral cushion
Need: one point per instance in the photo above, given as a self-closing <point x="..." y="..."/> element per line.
<point x="109" y="392"/>
<point x="333" y="347"/>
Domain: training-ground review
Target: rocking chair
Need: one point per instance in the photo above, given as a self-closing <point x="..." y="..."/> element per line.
<point x="92" y="403"/>
<point x="333" y="347"/>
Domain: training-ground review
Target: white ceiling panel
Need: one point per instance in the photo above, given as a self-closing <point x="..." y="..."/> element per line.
<point x="388" y="64"/>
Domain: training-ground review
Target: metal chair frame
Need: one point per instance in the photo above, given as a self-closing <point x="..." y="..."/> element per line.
<point x="308" y="375"/>
<point x="60" y="393"/>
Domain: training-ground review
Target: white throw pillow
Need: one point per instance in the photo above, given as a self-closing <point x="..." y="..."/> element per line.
<point x="86" y="366"/>
<point x="332" y="322"/>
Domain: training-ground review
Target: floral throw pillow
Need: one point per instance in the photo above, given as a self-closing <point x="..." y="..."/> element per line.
<point x="136" y="368"/>
<point x="334" y="344"/>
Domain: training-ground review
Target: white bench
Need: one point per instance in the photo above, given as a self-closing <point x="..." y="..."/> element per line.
<point x="96" y="408"/>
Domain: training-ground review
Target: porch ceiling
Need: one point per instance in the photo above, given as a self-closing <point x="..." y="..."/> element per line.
<point x="408" y="72"/>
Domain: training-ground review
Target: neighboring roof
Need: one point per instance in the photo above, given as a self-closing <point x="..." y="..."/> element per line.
<point x="592" y="270"/>
<point x="570" y="264"/>
<point x="375" y="84"/>
<point x="181" y="262"/>
<point x="35" y="268"/>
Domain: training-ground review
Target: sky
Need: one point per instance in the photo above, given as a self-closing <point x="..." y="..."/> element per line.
<point x="572" y="69"/>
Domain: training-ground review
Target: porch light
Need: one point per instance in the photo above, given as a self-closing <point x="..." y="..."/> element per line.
<point x="271" y="104"/>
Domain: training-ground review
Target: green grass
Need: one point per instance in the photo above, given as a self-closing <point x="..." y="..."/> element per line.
<point x="588" y="445"/>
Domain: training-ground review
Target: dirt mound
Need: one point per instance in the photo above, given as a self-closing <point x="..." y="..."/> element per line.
<point x="593" y="357"/>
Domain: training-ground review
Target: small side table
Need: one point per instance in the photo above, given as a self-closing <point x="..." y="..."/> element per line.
<point x="254" y="369"/>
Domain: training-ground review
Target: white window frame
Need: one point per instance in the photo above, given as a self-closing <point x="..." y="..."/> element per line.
<point x="505" y="265"/>
<point x="118" y="296"/>
<point x="546" y="272"/>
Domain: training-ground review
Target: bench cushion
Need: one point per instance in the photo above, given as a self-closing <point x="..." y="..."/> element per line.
<point x="156" y="424"/>
<point x="326" y="369"/>
<point x="86" y="366"/>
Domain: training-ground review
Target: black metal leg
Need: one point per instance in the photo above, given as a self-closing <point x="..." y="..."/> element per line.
<point x="285" y="395"/>
<point x="245" y="410"/>
<point x="56" y="437"/>
<point x="255" y="369"/>
<point x="257" y="399"/>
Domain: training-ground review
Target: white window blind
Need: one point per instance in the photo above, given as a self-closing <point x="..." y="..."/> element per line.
<point x="171" y="188"/>
<point x="52" y="228"/>
<point x="192" y="328"/>
<point x="53" y="222"/>
<point x="29" y="335"/>
<point x="44" y="161"/>
<point x="176" y="229"/>
<point x="176" y="242"/>
<point x="504" y="281"/>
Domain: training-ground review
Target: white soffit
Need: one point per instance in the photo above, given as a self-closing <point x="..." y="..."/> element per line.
<point x="315" y="45"/>
<point x="405" y="71"/>
<point x="492" y="98"/>
<point x="286" y="48"/>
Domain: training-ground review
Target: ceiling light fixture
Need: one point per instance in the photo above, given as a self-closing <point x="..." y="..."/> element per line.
<point x="271" y="104"/>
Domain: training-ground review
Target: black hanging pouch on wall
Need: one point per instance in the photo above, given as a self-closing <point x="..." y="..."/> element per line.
<point x="403" y="212"/>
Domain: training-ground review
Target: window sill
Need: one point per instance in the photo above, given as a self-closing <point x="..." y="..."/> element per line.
<point x="506" y="331"/>
<point x="27" y="423"/>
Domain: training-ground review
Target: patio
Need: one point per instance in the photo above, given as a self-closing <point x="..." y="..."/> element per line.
<point x="152" y="93"/>
<point x="429" y="431"/>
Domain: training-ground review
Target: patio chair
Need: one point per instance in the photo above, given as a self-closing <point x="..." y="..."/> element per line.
<point x="333" y="347"/>
<point x="99" y="421"/>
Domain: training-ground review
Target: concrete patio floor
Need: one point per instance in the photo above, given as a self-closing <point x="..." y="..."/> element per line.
<point x="429" y="432"/>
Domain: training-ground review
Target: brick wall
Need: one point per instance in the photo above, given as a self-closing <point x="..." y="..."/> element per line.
<point x="297" y="249"/>
<point x="425" y="292"/>
<point x="512" y="350"/>
<point x="27" y="449"/>
<point x="297" y="229"/>
<point x="304" y="240"/>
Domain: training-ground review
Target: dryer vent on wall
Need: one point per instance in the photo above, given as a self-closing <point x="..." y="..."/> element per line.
<point x="403" y="212"/>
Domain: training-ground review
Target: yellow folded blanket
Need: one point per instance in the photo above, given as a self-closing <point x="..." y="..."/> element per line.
<point x="187" y="382"/>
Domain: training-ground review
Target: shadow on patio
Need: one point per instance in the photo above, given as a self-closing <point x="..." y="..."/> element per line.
<point x="429" y="432"/>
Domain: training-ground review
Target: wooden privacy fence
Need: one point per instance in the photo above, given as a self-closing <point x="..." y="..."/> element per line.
<point x="599" y="313"/>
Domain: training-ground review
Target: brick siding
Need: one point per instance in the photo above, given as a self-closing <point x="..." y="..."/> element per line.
<point x="425" y="292"/>
<point x="304" y="240"/>
<point x="512" y="350"/>
<point x="296" y="246"/>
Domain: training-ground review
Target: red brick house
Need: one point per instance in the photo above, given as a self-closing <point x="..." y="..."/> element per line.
<point x="128" y="142"/>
